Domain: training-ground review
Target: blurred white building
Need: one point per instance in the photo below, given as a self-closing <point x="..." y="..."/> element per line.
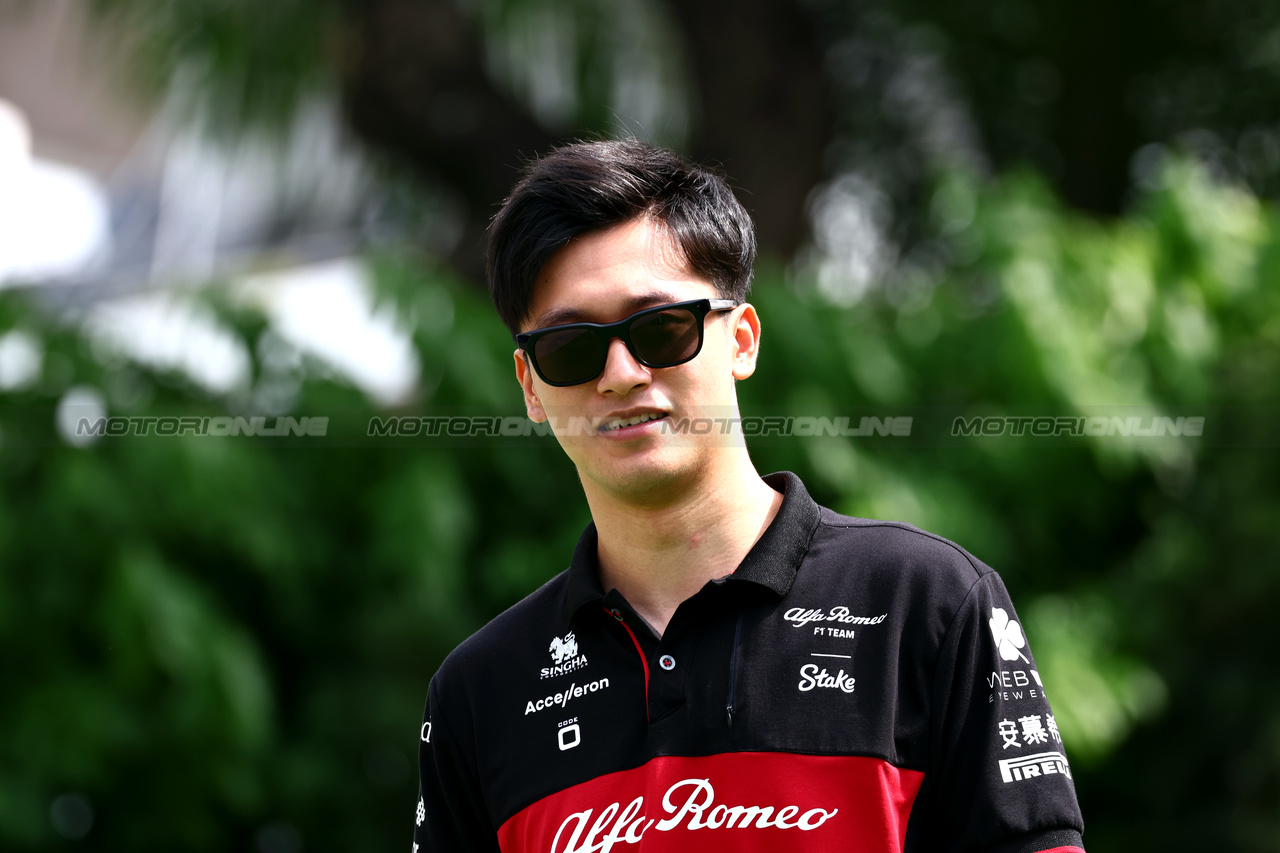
<point x="111" y="210"/>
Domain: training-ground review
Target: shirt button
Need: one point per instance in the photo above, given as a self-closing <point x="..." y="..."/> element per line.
<point x="667" y="662"/>
<point x="616" y="614"/>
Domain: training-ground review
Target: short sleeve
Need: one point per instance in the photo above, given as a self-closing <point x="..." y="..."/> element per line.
<point x="450" y="816"/>
<point x="998" y="779"/>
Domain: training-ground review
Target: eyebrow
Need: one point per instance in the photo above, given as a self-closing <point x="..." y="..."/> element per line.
<point x="561" y="316"/>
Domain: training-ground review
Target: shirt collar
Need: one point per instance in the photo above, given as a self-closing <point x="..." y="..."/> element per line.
<point x="772" y="562"/>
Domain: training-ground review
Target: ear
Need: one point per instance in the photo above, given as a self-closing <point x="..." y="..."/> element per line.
<point x="524" y="375"/>
<point x="746" y="340"/>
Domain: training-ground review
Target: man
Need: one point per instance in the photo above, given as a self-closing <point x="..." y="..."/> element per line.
<point x="725" y="665"/>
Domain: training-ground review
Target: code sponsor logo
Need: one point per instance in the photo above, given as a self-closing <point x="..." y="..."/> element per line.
<point x="568" y="734"/>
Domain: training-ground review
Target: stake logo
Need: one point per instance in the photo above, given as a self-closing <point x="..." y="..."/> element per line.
<point x="812" y="676"/>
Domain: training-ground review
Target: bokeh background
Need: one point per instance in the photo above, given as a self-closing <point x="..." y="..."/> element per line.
<point x="230" y="207"/>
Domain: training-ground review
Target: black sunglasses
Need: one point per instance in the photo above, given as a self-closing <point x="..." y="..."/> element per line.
<point x="662" y="336"/>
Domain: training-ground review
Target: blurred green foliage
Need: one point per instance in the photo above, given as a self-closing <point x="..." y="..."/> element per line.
<point x="225" y="643"/>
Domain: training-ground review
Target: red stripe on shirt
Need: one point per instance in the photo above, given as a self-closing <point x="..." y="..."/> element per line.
<point x="757" y="802"/>
<point x="643" y="662"/>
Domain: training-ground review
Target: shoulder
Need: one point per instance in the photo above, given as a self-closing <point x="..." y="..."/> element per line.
<point x="893" y="551"/>
<point x="511" y="642"/>
<point x="920" y="581"/>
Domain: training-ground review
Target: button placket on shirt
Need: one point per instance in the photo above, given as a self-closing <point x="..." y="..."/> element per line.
<point x="677" y="658"/>
<point x="671" y="657"/>
<point x="667" y="681"/>
<point x="636" y="631"/>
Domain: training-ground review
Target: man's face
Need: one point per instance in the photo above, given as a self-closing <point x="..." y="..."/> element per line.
<point x="601" y="278"/>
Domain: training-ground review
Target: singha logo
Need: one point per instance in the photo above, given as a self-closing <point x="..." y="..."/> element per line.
<point x="564" y="657"/>
<point x="564" y="649"/>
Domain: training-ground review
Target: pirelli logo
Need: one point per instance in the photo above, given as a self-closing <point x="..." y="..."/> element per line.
<point x="1031" y="766"/>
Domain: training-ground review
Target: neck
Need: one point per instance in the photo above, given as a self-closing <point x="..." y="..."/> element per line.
<point x="659" y="553"/>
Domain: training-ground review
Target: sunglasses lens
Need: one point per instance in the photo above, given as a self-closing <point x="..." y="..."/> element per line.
<point x="569" y="357"/>
<point x="666" y="338"/>
<point x="662" y="337"/>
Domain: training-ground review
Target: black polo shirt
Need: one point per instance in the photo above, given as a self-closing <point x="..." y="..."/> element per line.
<point x="854" y="685"/>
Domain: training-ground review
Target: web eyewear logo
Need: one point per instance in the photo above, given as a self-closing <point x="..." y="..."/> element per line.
<point x="564" y="654"/>
<point x="1014" y="685"/>
<point x="1008" y="635"/>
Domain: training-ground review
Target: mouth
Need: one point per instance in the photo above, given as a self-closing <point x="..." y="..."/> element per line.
<point x="621" y="425"/>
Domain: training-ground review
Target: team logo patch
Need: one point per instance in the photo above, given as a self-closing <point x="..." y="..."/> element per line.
<point x="801" y="616"/>
<point x="689" y="804"/>
<point x="1008" y="635"/>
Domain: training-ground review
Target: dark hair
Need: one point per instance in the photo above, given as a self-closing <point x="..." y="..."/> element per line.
<point x="591" y="186"/>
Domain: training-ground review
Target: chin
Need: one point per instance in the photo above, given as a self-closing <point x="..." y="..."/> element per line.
<point x="649" y="477"/>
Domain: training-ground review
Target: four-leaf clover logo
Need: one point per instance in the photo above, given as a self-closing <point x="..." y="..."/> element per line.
<point x="1008" y="635"/>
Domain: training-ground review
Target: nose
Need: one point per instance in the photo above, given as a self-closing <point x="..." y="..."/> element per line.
<point x="622" y="373"/>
